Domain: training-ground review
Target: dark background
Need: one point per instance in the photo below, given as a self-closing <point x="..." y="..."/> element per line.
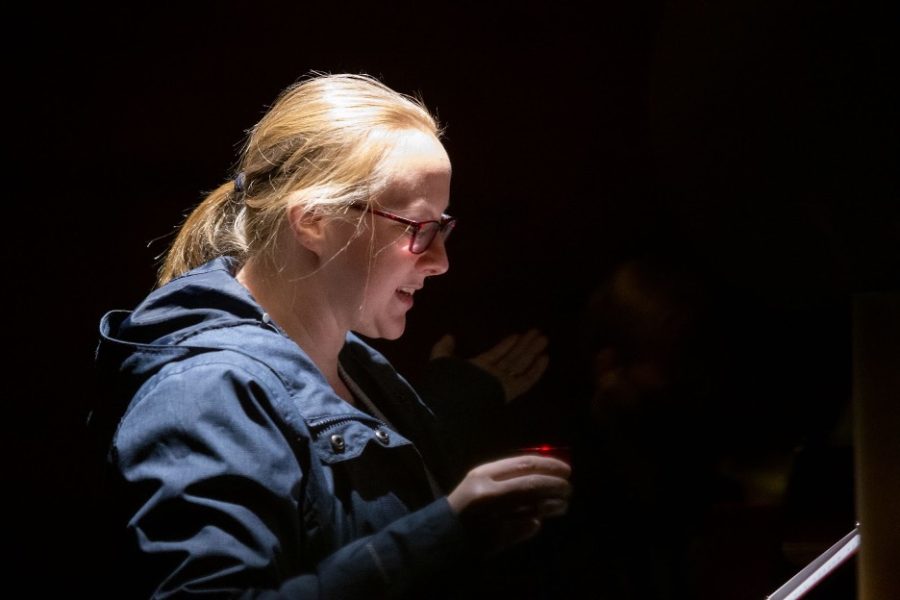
<point x="754" y="140"/>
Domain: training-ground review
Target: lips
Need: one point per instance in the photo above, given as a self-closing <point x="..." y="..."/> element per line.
<point x="405" y="294"/>
<point x="408" y="290"/>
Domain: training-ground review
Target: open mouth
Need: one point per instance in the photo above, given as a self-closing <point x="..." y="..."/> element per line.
<point x="405" y="294"/>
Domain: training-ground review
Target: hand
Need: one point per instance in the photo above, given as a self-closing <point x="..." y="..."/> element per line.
<point x="505" y="502"/>
<point x="518" y="361"/>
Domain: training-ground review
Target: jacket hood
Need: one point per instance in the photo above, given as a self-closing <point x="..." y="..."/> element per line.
<point x="204" y="310"/>
<point x="208" y="296"/>
<point x="139" y="342"/>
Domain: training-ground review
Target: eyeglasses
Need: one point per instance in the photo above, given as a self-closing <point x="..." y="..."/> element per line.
<point x="423" y="232"/>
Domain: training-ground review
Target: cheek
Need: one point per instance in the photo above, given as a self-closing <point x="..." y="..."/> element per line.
<point x="386" y="272"/>
<point x="391" y="269"/>
<point x="379" y="266"/>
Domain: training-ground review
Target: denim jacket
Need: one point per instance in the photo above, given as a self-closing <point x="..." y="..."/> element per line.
<point x="234" y="470"/>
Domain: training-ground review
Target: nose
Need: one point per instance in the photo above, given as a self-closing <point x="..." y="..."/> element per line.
<point x="434" y="260"/>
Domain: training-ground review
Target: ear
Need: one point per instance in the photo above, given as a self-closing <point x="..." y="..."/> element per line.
<point x="308" y="228"/>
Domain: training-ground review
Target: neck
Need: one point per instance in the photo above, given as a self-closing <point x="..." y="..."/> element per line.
<point x="296" y="303"/>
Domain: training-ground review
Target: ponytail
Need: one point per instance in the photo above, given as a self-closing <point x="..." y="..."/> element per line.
<point x="212" y="229"/>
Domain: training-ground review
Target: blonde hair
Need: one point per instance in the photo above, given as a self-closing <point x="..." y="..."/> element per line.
<point x="320" y="145"/>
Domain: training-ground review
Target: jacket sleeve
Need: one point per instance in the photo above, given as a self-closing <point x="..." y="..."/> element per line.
<point x="214" y="487"/>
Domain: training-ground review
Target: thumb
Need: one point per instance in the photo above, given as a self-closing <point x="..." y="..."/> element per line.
<point x="444" y="347"/>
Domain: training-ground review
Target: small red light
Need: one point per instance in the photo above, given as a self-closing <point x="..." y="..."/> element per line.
<point x="563" y="453"/>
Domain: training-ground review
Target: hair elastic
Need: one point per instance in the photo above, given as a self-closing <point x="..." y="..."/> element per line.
<point x="240" y="183"/>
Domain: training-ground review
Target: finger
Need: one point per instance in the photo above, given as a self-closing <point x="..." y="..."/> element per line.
<point x="532" y="375"/>
<point x="514" y="353"/>
<point x="530" y="489"/>
<point x="544" y="508"/>
<point x="444" y="347"/>
<point x="553" y="507"/>
<point x="496" y="353"/>
<point x="524" y="464"/>
<point x="531" y="348"/>
<point x="524" y="353"/>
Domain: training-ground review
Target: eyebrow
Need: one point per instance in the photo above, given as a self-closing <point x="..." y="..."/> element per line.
<point x="426" y="217"/>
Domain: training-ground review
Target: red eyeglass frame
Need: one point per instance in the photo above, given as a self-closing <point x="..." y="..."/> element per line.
<point x="444" y="226"/>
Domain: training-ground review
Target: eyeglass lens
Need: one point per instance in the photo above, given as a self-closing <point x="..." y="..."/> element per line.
<point x="424" y="236"/>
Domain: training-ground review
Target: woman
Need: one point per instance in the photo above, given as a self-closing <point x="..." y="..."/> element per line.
<point x="260" y="447"/>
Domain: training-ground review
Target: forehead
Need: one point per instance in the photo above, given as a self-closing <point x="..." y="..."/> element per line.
<point x="416" y="151"/>
<point x="416" y="169"/>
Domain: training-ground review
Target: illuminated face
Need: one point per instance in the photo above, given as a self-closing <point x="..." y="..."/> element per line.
<point x="379" y="274"/>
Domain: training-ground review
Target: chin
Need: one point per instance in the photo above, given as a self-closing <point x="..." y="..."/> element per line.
<point x="392" y="331"/>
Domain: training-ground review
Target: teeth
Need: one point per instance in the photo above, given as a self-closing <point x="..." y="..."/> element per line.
<point x="407" y="290"/>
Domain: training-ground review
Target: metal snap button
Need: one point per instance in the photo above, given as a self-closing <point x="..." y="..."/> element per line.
<point x="382" y="436"/>
<point x="337" y="443"/>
